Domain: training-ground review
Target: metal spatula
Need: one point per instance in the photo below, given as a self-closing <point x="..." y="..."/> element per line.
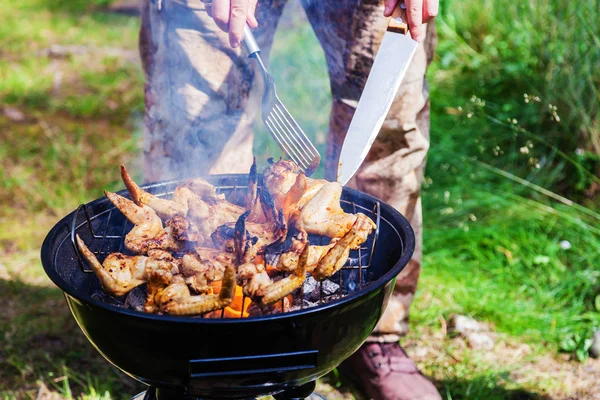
<point x="282" y="126"/>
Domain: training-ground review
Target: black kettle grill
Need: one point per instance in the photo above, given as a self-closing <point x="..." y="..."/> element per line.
<point x="229" y="358"/>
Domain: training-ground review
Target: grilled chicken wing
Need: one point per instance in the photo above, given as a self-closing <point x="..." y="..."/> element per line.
<point x="252" y="275"/>
<point x="264" y="234"/>
<point x="200" y="273"/>
<point x="323" y="215"/>
<point x="285" y="286"/>
<point x="186" y="231"/>
<point x="253" y="278"/>
<point x="157" y="282"/>
<point x="314" y="205"/>
<point x="289" y="186"/>
<point x="164" y="208"/>
<point x="288" y="261"/>
<point x="205" y="266"/>
<point x="148" y="232"/>
<point x="331" y="262"/>
<point x="176" y="298"/>
<point x="120" y="273"/>
<point x="195" y="210"/>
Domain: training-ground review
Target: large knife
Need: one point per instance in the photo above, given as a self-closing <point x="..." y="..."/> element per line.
<point x="390" y="65"/>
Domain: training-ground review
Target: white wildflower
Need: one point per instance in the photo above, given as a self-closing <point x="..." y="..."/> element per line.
<point x="447" y="211"/>
<point x="565" y="244"/>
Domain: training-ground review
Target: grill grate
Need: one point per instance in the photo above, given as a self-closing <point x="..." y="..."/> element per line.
<point x="105" y="241"/>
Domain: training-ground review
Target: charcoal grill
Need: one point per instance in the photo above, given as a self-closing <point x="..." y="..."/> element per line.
<point x="281" y="354"/>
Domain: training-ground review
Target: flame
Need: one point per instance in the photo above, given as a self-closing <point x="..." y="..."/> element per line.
<point x="234" y="310"/>
<point x="289" y="202"/>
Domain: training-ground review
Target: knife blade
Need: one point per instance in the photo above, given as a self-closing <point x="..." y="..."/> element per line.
<point x="391" y="62"/>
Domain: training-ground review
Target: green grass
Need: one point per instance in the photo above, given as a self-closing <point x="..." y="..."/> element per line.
<point x="79" y="114"/>
<point x="494" y="212"/>
<point x="504" y="51"/>
<point x="92" y="84"/>
<point x="492" y="250"/>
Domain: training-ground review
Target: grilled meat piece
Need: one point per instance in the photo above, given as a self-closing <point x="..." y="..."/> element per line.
<point x="176" y="298"/>
<point x="323" y="215"/>
<point x="199" y="273"/>
<point x="184" y="230"/>
<point x="252" y="275"/>
<point x="253" y="279"/>
<point x="157" y="282"/>
<point x="195" y="210"/>
<point x="120" y="273"/>
<point x="289" y="186"/>
<point x="265" y="234"/>
<point x="331" y="262"/>
<point x="164" y="208"/>
<point x="148" y="232"/>
<point x="313" y="205"/>
<point x="285" y="286"/>
<point x="288" y="261"/>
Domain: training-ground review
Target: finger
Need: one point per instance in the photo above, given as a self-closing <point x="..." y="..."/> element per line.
<point x="252" y="14"/>
<point x="414" y="11"/>
<point x="237" y="21"/>
<point x="220" y="12"/>
<point x="208" y="6"/>
<point x="389" y="7"/>
<point x="430" y="9"/>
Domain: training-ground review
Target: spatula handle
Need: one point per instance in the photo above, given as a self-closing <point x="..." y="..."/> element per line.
<point x="399" y="19"/>
<point x="249" y="42"/>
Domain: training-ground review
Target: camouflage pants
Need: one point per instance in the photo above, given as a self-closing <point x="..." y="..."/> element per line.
<point x="201" y="101"/>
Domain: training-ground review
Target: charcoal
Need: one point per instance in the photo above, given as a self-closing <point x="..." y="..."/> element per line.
<point x="275" y="308"/>
<point x="305" y="304"/>
<point x="330" y="288"/>
<point x="272" y="258"/>
<point x="310" y="284"/>
<point x="103" y="297"/>
<point x="136" y="299"/>
<point x="314" y="290"/>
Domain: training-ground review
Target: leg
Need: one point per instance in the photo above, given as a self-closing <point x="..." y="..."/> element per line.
<point x="392" y="171"/>
<point x="200" y="95"/>
<point x="394" y="167"/>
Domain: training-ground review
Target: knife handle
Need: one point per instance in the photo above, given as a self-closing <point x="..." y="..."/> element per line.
<point x="399" y="19"/>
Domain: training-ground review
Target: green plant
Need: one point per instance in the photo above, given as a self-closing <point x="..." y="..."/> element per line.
<point x="510" y="52"/>
<point x="577" y="344"/>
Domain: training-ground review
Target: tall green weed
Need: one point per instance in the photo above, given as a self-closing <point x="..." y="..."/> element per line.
<point x="537" y="66"/>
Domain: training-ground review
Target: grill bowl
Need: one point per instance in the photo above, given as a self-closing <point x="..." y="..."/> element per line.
<point x="228" y="358"/>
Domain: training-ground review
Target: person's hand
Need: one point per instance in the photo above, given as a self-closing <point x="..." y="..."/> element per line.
<point x="231" y="16"/>
<point x="418" y="12"/>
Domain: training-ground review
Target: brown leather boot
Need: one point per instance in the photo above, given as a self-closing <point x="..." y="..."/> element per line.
<point x="384" y="372"/>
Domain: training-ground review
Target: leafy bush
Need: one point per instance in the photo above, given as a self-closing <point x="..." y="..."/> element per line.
<point x="536" y="64"/>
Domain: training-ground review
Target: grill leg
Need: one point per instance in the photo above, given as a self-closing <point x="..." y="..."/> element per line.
<point x="298" y="393"/>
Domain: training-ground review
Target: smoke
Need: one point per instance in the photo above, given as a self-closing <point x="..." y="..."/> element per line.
<point x="203" y="98"/>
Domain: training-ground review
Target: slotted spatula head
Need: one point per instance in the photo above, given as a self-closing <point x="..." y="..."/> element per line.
<point x="287" y="133"/>
<point x="280" y="123"/>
